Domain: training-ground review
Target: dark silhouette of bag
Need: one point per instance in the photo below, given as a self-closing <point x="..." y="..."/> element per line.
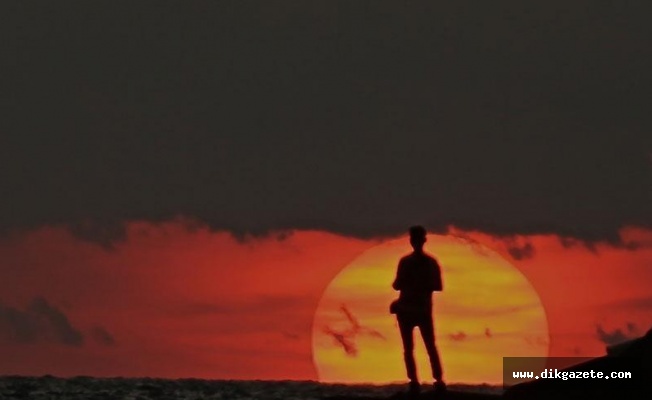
<point x="395" y="307"/>
<point x="400" y="307"/>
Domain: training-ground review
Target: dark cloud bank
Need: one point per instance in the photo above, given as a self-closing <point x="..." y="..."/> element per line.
<point x="43" y="322"/>
<point x="355" y="117"/>
<point x="617" y="335"/>
<point x="347" y="338"/>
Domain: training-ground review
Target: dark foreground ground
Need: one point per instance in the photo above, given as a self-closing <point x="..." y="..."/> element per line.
<point x="452" y="394"/>
<point x="53" y="388"/>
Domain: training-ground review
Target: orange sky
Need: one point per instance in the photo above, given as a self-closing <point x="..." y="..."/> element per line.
<point x="177" y="300"/>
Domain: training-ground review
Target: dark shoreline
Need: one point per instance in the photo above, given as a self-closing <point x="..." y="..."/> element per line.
<point x="98" y="388"/>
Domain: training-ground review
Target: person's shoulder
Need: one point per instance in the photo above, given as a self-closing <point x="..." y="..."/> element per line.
<point x="432" y="259"/>
<point x="406" y="258"/>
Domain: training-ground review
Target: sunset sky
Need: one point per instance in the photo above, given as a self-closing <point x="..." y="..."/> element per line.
<point x="220" y="189"/>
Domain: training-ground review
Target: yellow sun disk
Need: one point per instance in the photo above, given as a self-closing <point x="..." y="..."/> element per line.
<point x="488" y="310"/>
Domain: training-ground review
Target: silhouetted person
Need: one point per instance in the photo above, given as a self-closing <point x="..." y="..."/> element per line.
<point x="418" y="275"/>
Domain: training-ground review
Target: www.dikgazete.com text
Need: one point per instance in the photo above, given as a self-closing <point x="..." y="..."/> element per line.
<point x="565" y="375"/>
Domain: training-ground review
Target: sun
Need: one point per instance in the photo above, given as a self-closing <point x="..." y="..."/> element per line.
<point x="488" y="310"/>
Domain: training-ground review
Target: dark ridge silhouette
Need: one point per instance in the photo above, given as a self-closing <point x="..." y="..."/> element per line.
<point x="633" y="356"/>
<point x="448" y="395"/>
<point x="50" y="387"/>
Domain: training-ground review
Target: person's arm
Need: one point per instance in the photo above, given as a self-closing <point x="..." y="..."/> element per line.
<point x="398" y="281"/>
<point x="437" y="284"/>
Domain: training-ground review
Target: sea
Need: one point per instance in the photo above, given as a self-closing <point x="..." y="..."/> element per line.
<point x="82" y="387"/>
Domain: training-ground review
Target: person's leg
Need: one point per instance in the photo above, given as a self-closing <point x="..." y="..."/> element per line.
<point x="407" y="328"/>
<point x="426" y="327"/>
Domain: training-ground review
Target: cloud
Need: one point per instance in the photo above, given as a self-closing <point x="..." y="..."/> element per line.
<point x="269" y="303"/>
<point x="61" y="327"/>
<point x="452" y="137"/>
<point x="617" y="242"/>
<point x="458" y="336"/>
<point x="346" y="337"/>
<point x="464" y="309"/>
<point x="477" y="247"/>
<point x="636" y="304"/>
<point x="291" y="335"/>
<point x="275" y="315"/>
<point x="104" y="233"/>
<point x="40" y="321"/>
<point x="357" y="328"/>
<point x="521" y="252"/>
<point x="43" y="322"/>
<point x="102" y="336"/>
<point x="617" y="335"/>
<point x="536" y="341"/>
<point x="17" y="326"/>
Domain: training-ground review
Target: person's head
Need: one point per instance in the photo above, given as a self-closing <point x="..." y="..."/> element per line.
<point x="417" y="237"/>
